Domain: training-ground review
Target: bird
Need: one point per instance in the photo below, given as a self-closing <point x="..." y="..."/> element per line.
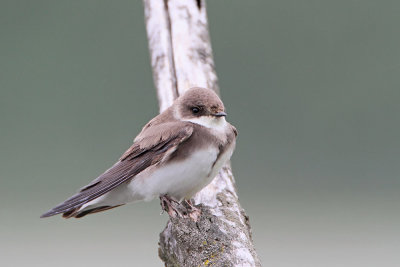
<point x="175" y="155"/>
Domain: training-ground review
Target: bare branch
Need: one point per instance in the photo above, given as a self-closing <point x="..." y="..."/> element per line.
<point x="181" y="57"/>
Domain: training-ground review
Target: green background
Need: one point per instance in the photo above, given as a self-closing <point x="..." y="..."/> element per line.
<point x="312" y="86"/>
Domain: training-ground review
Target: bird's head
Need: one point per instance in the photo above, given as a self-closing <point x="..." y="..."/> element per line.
<point x="201" y="106"/>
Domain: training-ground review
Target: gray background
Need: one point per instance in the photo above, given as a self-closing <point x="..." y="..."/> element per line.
<point x="312" y="86"/>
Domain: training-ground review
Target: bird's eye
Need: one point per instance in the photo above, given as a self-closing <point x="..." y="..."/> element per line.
<point x="195" y="110"/>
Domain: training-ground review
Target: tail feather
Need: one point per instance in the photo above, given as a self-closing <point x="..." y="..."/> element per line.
<point x="75" y="213"/>
<point x="94" y="210"/>
<point x="70" y="213"/>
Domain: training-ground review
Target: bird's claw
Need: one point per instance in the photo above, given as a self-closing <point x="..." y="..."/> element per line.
<point x="176" y="209"/>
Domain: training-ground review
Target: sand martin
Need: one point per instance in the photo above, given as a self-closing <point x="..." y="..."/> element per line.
<point x="175" y="155"/>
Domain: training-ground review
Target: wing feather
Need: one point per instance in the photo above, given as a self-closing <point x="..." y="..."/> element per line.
<point x="149" y="149"/>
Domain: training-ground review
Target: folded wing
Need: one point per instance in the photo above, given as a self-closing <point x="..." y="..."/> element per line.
<point x="152" y="146"/>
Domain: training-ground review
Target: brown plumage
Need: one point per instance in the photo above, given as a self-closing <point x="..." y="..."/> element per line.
<point x="172" y="136"/>
<point x="148" y="151"/>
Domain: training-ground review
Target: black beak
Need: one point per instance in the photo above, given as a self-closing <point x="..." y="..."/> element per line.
<point x="220" y="114"/>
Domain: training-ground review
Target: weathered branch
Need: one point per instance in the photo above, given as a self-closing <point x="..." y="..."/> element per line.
<point x="181" y="57"/>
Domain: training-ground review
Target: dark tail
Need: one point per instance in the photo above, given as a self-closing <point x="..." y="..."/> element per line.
<point x="73" y="213"/>
<point x="86" y="212"/>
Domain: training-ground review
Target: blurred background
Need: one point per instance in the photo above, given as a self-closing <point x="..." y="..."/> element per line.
<point x="313" y="87"/>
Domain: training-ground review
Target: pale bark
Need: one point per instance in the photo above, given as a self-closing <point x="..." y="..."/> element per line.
<point x="181" y="57"/>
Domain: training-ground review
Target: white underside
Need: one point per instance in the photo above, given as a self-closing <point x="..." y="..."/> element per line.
<point x="180" y="179"/>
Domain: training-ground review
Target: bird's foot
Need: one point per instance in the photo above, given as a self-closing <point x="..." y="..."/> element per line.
<point x="171" y="206"/>
<point x="176" y="209"/>
<point x="193" y="212"/>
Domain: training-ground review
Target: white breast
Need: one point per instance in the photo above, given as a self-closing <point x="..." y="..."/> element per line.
<point x="223" y="158"/>
<point x="177" y="179"/>
<point x="181" y="179"/>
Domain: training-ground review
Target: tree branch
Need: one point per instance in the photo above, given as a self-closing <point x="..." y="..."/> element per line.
<point x="181" y="57"/>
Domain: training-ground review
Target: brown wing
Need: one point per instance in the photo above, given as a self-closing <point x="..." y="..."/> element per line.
<point x="151" y="147"/>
